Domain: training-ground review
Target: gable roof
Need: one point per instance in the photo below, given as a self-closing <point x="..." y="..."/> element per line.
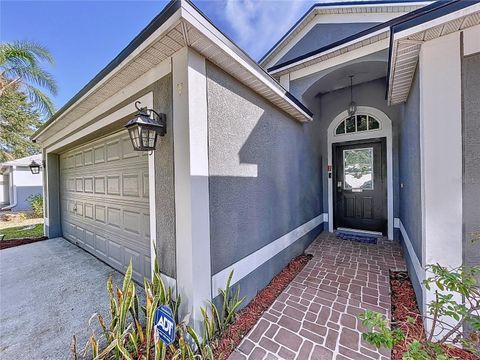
<point x="178" y="25"/>
<point x="363" y="38"/>
<point x="344" y="7"/>
<point x="408" y="36"/>
<point x="25" y="161"/>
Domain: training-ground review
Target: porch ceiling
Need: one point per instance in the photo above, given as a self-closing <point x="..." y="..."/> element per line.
<point x="185" y="26"/>
<point x="407" y="44"/>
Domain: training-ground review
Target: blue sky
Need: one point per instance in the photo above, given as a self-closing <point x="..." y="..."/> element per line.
<point x="84" y="36"/>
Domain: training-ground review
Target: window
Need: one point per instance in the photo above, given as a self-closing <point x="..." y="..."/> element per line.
<point x="357" y="123"/>
<point x="358" y="169"/>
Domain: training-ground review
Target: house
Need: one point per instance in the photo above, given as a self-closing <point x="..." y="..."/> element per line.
<point x="17" y="183"/>
<point x="364" y="116"/>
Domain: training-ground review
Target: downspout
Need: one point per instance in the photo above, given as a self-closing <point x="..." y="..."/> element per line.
<point x="14" y="192"/>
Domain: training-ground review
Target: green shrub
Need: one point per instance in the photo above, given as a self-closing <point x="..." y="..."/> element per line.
<point x="214" y="322"/>
<point x="124" y="337"/>
<point x="449" y="284"/>
<point x="36" y="202"/>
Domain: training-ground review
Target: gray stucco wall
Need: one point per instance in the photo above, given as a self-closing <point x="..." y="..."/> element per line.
<point x="164" y="180"/>
<point x="23" y="194"/>
<point x="321" y="35"/>
<point x="52" y="194"/>
<point x="327" y="106"/>
<point x="265" y="177"/>
<point x="410" y="171"/>
<point x="471" y="159"/>
<point x="410" y="178"/>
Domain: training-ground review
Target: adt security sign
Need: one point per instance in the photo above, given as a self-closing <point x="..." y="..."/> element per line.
<point x="164" y="324"/>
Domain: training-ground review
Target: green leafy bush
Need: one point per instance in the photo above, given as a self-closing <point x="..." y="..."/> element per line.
<point x="36" y="202"/>
<point x="448" y="285"/>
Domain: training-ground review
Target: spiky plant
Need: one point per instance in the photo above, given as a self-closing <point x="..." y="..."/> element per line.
<point x="21" y="68"/>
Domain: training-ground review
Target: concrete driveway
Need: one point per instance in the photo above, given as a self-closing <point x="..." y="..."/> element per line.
<point x="48" y="292"/>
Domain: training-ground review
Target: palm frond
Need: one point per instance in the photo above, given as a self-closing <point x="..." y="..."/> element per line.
<point x="41" y="101"/>
<point x="12" y="54"/>
<point x="34" y="75"/>
<point x="28" y="50"/>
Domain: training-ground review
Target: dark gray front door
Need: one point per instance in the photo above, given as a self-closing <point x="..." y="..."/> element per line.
<point x="360" y="185"/>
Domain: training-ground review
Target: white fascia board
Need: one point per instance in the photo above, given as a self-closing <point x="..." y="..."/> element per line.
<point x="170" y="22"/>
<point x="214" y="35"/>
<point x="435" y="22"/>
<point x="340" y="59"/>
<point x="403" y="36"/>
<point x="345" y="45"/>
<point x="154" y="74"/>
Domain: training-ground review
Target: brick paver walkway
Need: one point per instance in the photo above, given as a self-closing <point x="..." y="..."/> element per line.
<point x="315" y="316"/>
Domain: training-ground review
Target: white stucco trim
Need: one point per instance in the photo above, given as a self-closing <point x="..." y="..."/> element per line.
<point x="471" y="42"/>
<point x="441" y="153"/>
<point x="154" y="74"/>
<point x="192" y="212"/>
<point x="146" y="100"/>
<point x="384" y="131"/>
<point x="152" y="209"/>
<point x="251" y="262"/>
<point x="419" y="270"/>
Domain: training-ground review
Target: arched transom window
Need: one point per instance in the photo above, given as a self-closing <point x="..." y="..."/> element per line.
<point x="357" y="123"/>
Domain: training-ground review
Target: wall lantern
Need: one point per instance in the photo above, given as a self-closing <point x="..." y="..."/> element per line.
<point x="352" y="107"/>
<point x="34" y="167"/>
<point x="145" y="127"/>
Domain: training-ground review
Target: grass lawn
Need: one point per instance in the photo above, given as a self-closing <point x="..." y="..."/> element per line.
<point x="17" y="232"/>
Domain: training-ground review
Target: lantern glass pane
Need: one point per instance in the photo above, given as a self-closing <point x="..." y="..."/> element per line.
<point x="134" y="136"/>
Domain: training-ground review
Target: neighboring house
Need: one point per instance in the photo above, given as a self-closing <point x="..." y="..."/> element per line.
<point x="251" y="171"/>
<point x="17" y="183"/>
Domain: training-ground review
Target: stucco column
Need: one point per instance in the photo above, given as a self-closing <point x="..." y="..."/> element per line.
<point x="441" y="154"/>
<point x="51" y="191"/>
<point x="192" y="214"/>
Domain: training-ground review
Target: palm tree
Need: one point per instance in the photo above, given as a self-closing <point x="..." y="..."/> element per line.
<point x="20" y="69"/>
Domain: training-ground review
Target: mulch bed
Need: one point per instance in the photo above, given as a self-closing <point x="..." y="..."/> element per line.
<point x="404" y="306"/>
<point x="5" y="244"/>
<point x="248" y="316"/>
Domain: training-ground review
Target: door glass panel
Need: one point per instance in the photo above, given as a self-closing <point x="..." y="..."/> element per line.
<point x="358" y="169"/>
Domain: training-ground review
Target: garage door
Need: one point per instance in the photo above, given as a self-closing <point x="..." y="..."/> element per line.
<point x="104" y="202"/>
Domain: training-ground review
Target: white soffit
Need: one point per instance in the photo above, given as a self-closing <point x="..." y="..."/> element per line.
<point x="407" y="43"/>
<point x="186" y="27"/>
<point x="386" y="8"/>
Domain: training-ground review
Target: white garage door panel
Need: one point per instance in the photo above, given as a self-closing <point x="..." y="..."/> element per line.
<point x="104" y="200"/>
